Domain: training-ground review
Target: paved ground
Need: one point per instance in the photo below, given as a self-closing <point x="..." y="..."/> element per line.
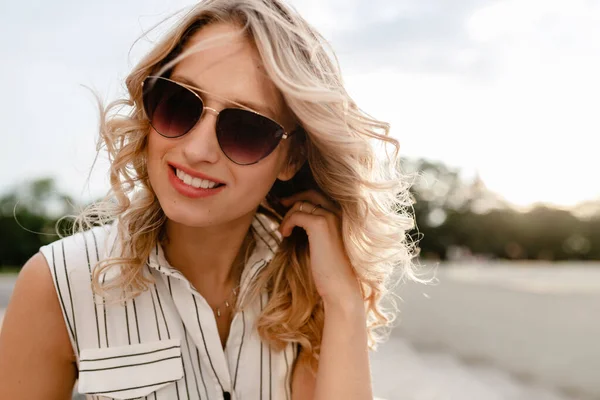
<point x="538" y="320"/>
<point x="400" y="372"/>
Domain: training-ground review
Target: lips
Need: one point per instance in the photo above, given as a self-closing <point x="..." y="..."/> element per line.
<point x="194" y="181"/>
<point x="195" y="174"/>
<point x="191" y="191"/>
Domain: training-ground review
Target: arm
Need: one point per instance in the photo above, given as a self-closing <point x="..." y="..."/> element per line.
<point x="36" y="357"/>
<point x="344" y="371"/>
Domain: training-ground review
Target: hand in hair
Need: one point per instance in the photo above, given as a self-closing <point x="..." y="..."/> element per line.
<point x="344" y="339"/>
<point x="331" y="268"/>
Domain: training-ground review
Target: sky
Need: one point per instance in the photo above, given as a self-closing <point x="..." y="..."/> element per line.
<point x="508" y="90"/>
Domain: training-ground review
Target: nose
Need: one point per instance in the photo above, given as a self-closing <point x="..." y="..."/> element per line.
<point x="200" y="144"/>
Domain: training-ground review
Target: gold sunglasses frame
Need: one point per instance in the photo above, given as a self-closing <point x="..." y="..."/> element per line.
<point x="194" y="91"/>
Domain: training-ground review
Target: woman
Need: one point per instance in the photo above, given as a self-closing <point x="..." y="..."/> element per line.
<point x="247" y="240"/>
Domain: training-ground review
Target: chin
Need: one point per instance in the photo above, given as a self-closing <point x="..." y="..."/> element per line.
<point x="191" y="218"/>
<point x="194" y="215"/>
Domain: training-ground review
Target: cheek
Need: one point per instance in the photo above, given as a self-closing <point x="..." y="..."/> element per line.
<point x="154" y="145"/>
<point x="155" y="152"/>
<point x="151" y="152"/>
<point x="256" y="181"/>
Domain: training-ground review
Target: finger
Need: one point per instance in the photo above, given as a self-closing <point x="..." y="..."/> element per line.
<point x="305" y="207"/>
<point x="314" y="197"/>
<point x="310" y="208"/>
<point x="298" y="207"/>
<point x="311" y="223"/>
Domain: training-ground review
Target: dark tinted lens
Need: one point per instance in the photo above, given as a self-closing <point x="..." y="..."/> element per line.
<point x="246" y="137"/>
<point x="172" y="109"/>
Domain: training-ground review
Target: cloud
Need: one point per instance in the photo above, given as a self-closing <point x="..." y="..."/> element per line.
<point x="472" y="40"/>
<point x="422" y="37"/>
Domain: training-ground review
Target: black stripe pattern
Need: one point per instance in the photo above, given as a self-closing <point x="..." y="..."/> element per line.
<point x="164" y="343"/>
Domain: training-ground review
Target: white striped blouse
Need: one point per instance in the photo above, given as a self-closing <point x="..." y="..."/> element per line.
<point x="164" y="344"/>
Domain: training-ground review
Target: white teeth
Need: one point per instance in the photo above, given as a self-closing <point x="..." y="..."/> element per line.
<point x="195" y="182"/>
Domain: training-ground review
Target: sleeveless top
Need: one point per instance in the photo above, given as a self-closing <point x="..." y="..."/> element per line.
<point x="164" y="343"/>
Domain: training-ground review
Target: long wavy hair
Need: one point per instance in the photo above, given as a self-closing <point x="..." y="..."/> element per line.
<point x="338" y="143"/>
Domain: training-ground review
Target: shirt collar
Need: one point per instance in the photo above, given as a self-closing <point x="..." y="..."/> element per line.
<point x="266" y="235"/>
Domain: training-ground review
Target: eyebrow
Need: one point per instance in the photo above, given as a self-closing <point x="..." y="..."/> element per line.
<point x="261" y="108"/>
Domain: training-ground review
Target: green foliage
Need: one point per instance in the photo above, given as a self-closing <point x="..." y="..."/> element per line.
<point x="452" y="213"/>
<point x="26" y="221"/>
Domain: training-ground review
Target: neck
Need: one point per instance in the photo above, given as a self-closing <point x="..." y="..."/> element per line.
<point x="210" y="257"/>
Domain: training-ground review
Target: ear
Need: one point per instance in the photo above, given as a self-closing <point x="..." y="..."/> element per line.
<point x="294" y="162"/>
<point x="290" y="169"/>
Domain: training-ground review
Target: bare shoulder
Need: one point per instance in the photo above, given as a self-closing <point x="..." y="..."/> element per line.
<point x="36" y="356"/>
<point x="303" y="380"/>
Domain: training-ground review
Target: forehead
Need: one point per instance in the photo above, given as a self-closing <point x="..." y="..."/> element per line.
<point x="230" y="68"/>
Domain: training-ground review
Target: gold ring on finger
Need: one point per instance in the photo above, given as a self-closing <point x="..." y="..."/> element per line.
<point x="301" y="204"/>
<point x="317" y="206"/>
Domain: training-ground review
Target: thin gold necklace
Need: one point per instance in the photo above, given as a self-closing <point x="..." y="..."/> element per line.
<point x="226" y="302"/>
<point x="235" y="290"/>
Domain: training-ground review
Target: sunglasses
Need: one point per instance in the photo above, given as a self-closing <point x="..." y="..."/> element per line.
<point x="174" y="108"/>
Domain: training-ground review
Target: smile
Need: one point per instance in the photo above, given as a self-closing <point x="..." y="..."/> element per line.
<point x="196" y="182"/>
<point x="193" y="187"/>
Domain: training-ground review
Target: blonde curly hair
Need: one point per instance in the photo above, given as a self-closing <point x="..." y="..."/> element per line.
<point x="338" y="143"/>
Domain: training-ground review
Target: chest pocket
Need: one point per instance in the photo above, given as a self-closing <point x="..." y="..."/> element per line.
<point x="132" y="371"/>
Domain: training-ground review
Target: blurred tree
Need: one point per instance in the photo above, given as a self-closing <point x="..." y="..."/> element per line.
<point x="452" y="213"/>
<point x="28" y="216"/>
